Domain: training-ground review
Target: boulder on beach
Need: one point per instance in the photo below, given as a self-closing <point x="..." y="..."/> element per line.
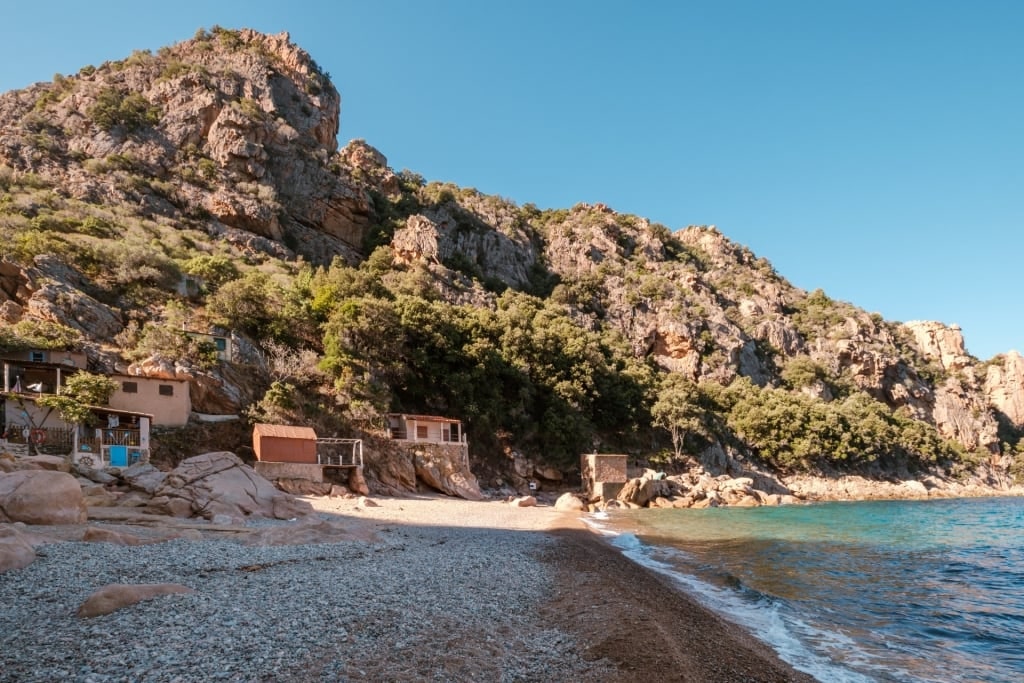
<point x="117" y="595"/>
<point x="16" y="551"/>
<point x="221" y="484"/>
<point x="570" y="502"/>
<point x="41" y="497"/>
<point x="143" y="477"/>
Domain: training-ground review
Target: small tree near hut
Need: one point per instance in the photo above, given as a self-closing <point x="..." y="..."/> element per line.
<point x="83" y="389"/>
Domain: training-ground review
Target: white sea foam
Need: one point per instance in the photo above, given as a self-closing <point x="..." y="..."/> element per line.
<point x="597" y="522"/>
<point x="763" y="617"/>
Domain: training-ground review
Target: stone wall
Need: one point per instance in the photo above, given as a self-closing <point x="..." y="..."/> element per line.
<point x="289" y="470"/>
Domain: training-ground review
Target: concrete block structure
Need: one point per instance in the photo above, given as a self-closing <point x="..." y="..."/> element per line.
<point x="603" y="474"/>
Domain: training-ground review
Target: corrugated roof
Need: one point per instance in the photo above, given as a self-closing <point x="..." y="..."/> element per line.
<point x="285" y="431"/>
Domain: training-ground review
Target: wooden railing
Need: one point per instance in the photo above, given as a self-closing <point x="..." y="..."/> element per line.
<point x="401" y="434"/>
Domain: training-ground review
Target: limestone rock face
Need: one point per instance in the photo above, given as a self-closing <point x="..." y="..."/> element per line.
<point x="396" y="468"/>
<point x="371" y="166"/>
<point x="781" y="334"/>
<point x="940" y="342"/>
<point x="60" y="303"/>
<point x="243" y="128"/>
<point x="221" y="484"/>
<point x="16" y="287"/>
<point x="443" y="468"/>
<point x="1004" y="386"/>
<point x="448" y="230"/>
<point x="961" y="413"/>
<point x="30" y="292"/>
<point x="677" y="351"/>
<point x="116" y="596"/>
<point x="389" y="468"/>
<point x="41" y="497"/>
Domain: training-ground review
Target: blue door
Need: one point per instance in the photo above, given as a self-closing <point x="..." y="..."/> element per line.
<point x="119" y="456"/>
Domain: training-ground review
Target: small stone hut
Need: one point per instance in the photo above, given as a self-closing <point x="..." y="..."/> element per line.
<point x="284" y="443"/>
<point x="604" y="474"/>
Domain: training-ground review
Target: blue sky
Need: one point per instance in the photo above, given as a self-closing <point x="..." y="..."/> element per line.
<point x="872" y="149"/>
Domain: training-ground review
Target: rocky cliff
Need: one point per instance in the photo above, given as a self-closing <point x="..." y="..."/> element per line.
<point x="235" y="129"/>
<point x="192" y="187"/>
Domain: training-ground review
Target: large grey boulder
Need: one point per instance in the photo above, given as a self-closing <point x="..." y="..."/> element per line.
<point x="221" y="484"/>
<point x="143" y="477"/>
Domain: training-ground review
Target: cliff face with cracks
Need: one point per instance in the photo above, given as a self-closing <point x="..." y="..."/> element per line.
<point x="235" y="129"/>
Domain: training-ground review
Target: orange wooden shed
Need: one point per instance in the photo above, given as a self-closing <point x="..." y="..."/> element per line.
<point x="284" y="443"/>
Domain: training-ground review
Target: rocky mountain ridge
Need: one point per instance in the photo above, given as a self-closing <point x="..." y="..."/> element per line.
<point x="215" y="161"/>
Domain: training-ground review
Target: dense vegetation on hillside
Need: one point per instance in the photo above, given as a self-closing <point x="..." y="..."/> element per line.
<point x="551" y="332"/>
<point x="363" y="340"/>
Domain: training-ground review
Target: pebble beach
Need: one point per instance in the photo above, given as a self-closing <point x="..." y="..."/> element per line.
<point x="414" y="589"/>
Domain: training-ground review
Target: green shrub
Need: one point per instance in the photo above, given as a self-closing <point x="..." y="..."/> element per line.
<point x="802" y="371"/>
<point x="168" y="341"/>
<point x="207" y="168"/>
<point x="28" y="244"/>
<point x="228" y="38"/>
<point x="31" y="333"/>
<point x="113" y="108"/>
<point x="175" y="67"/>
<point x="251" y="109"/>
<point x="213" y="270"/>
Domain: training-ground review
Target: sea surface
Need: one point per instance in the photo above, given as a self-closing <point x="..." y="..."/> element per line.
<point x="867" y="591"/>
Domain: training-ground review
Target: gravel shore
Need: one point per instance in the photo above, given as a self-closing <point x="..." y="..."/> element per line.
<point x="424" y="589"/>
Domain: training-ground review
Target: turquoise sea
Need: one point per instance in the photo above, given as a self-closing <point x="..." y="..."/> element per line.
<point x="868" y="591"/>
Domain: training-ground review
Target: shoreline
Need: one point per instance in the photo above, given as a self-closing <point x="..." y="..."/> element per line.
<point x="619" y="611"/>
